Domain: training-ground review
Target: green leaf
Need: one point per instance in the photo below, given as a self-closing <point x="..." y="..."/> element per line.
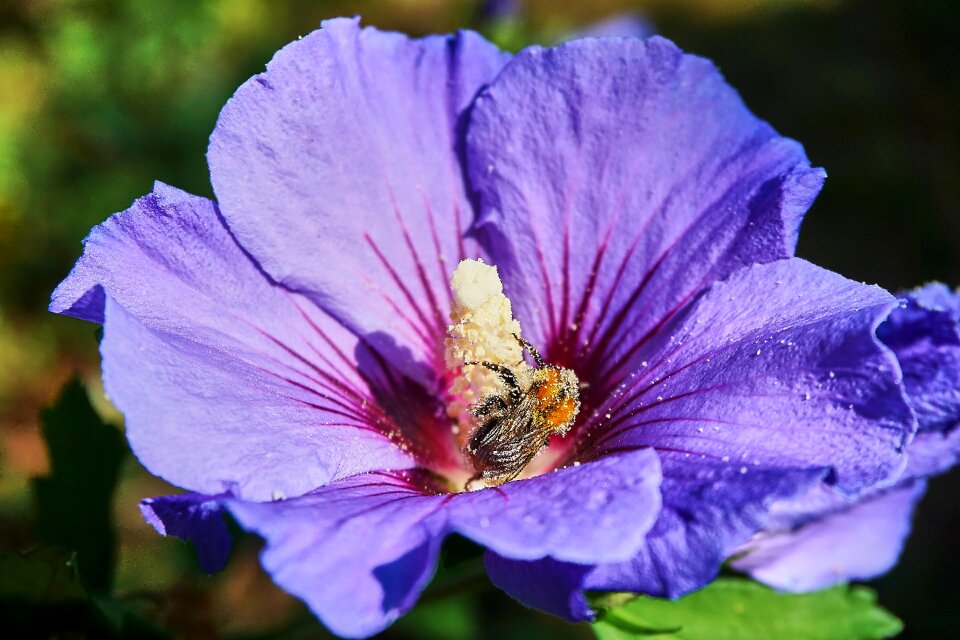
<point x="41" y="596"/>
<point x="74" y="503"/>
<point x="737" y="609"/>
<point x="43" y="575"/>
<point x="454" y="617"/>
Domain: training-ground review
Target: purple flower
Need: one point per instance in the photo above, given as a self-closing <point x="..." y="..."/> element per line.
<point x="825" y="537"/>
<point x="280" y="353"/>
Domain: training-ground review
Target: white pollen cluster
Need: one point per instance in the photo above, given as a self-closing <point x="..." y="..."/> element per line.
<point x="482" y="330"/>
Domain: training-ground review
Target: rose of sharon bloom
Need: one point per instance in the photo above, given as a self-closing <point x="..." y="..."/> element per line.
<point x="825" y="537"/>
<point x="279" y="353"/>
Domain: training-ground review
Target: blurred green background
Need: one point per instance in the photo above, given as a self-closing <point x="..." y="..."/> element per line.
<point x="99" y="99"/>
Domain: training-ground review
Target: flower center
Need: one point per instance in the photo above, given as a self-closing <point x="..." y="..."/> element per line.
<point x="504" y="410"/>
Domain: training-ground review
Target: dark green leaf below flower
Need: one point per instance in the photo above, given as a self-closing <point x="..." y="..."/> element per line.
<point x="74" y="502"/>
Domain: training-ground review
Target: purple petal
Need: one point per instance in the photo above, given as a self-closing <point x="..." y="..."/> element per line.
<point x="597" y="512"/>
<point x="338" y="170"/>
<point x="548" y="585"/>
<point x="936" y="297"/>
<point x="925" y="336"/>
<point x="616" y="178"/>
<point x="228" y="382"/>
<point x="795" y="511"/>
<point x="708" y="511"/>
<point x="824" y="537"/>
<point x="194" y="517"/>
<point x="376" y="536"/>
<point x="775" y="367"/>
<point x="856" y="543"/>
<point x="932" y="453"/>
<point x="358" y="552"/>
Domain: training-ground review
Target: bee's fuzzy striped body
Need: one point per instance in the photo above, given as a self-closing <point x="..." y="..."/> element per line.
<point x="515" y="425"/>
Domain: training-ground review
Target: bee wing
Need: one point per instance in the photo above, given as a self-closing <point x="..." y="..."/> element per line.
<point x="525" y="421"/>
<point x="510" y="442"/>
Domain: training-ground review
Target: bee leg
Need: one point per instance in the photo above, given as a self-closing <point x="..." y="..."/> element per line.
<point x="532" y="349"/>
<point x="489" y="404"/>
<point x="507" y="376"/>
<point x="512" y="475"/>
<point x="474" y="478"/>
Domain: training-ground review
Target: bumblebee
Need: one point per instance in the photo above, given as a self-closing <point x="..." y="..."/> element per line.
<point x="513" y="426"/>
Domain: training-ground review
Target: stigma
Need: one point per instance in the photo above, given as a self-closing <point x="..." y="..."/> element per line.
<point x="482" y="329"/>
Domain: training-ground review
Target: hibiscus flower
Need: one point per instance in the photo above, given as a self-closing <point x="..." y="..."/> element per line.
<point x="280" y="353"/>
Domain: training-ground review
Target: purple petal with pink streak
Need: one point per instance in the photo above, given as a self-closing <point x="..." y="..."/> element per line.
<point x="339" y="170"/>
<point x="616" y="178"/>
<point x="228" y="382"/>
